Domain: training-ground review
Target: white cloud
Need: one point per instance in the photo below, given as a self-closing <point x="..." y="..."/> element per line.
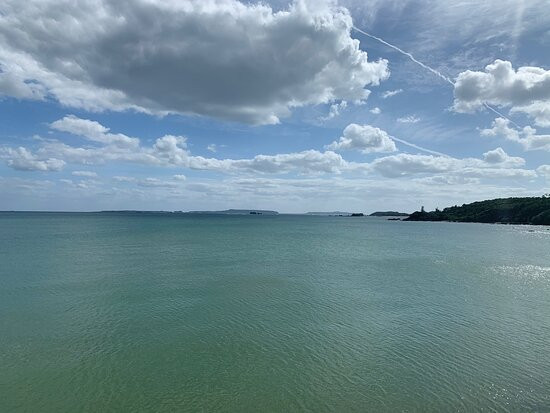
<point x="119" y="178"/>
<point x="212" y="147"/>
<point x="390" y="93"/>
<point x="409" y="119"/>
<point x="152" y="182"/>
<point x="408" y="164"/>
<point x="544" y="170"/>
<point x="364" y="138"/>
<point x="375" y="111"/>
<point x="335" y="110"/>
<point x="23" y="160"/>
<point x="526" y="89"/>
<point x="93" y="131"/>
<point x="307" y="162"/>
<point x="219" y="58"/>
<point x="155" y="183"/>
<point x="527" y="136"/>
<point x="12" y="84"/>
<point x="83" y="184"/>
<point x="88" y="174"/>
<point x="540" y="111"/>
<point x="171" y="151"/>
<point x="499" y="156"/>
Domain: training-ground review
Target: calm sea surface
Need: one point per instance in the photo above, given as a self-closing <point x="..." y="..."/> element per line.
<point x="172" y="313"/>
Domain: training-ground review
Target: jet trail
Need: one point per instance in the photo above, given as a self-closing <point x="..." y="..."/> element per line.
<point x="500" y="114"/>
<point x="410" y="56"/>
<point x="435" y="72"/>
<point x="420" y="147"/>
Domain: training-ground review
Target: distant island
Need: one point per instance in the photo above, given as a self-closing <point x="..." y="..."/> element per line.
<point x="533" y="211"/>
<point x="330" y="214"/>
<point x="388" y="214"/>
<point x="336" y="214"/>
<point x="237" y="212"/>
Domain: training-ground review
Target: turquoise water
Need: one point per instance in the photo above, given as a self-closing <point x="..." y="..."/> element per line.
<point x="257" y="313"/>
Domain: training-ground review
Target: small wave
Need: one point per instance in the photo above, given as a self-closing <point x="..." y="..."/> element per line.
<point x="527" y="273"/>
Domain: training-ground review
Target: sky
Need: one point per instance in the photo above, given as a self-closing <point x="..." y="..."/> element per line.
<point x="292" y="106"/>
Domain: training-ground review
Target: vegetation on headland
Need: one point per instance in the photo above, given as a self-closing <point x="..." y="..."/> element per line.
<point x="534" y="211"/>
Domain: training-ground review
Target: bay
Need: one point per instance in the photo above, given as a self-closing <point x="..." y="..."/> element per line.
<point x="173" y="312"/>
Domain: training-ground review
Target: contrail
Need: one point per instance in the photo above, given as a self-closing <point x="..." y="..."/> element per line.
<point x="435" y="72"/>
<point x="410" y="56"/>
<point x="420" y="147"/>
<point x="500" y="114"/>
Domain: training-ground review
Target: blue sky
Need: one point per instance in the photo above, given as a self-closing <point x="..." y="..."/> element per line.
<point x="166" y="105"/>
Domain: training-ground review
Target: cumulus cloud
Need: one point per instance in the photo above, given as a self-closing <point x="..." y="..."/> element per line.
<point x="221" y="58"/>
<point x="390" y="93"/>
<point x="409" y="119"/>
<point x="364" y="138"/>
<point x="375" y="111"/>
<point x="499" y="156"/>
<point x="544" y="170"/>
<point x="22" y="159"/>
<point x="335" y="110"/>
<point x="526" y="89"/>
<point x="526" y="137"/>
<point x="410" y="164"/>
<point x="168" y="151"/>
<point x="172" y="151"/>
<point x="212" y="147"/>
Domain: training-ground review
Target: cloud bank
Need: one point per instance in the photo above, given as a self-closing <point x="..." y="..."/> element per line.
<point x="171" y="151"/>
<point x="218" y="58"/>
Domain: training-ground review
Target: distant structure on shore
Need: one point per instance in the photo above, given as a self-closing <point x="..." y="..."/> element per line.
<point x="534" y="211"/>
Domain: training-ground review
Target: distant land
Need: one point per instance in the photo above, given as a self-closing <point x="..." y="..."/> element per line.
<point x="388" y="214"/>
<point x="224" y="212"/>
<point x="237" y="212"/>
<point x="534" y="211"/>
<point x="333" y="213"/>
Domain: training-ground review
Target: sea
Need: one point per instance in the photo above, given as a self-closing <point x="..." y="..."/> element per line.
<point x="113" y="312"/>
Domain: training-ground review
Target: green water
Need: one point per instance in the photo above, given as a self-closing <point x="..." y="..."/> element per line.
<point x="257" y="313"/>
